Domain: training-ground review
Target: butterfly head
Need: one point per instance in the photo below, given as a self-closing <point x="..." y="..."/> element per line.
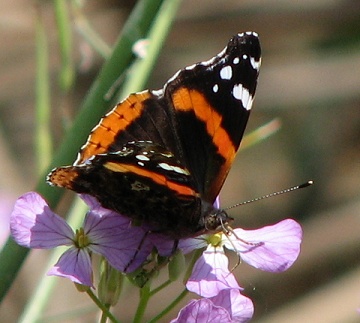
<point x="214" y="219"/>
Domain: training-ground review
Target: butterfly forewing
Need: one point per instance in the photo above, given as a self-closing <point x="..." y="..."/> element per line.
<point x="140" y="117"/>
<point x="212" y="101"/>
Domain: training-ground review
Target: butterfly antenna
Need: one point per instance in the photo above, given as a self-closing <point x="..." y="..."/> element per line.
<point x="290" y="189"/>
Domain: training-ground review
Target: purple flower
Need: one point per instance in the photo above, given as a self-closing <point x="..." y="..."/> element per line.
<point x="228" y="306"/>
<point x="34" y="225"/>
<point x="272" y="248"/>
<point x="223" y="301"/>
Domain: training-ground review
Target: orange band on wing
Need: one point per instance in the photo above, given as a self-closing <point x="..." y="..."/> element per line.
<point x="157" y="178"/>
<point x="192" y="100"/>
<point x="103" y="135"/>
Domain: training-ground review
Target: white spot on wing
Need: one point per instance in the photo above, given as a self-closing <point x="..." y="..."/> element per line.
<point x="165" y="166"/>
<point x="249" y="33"/>
<point x="255" y="64"/>
<point x="236" y="60"/>
<point x="142" y="157"/>
<point x="180" y="170"/>
<point x="176" y="169"/>
<point x="226" y="72"/>
<point x="243" y="94"/>
<point x="215" y="88"/>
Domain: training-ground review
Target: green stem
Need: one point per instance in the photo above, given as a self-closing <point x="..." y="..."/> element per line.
<point x="161" y="287"/>
<point x="104" y="316"/>
<point x="100" y="305"/>
<point x="170" y="307"/>
<point x="197" y="253"/>
<point x="261" y="133"/>
<point x="144" y="300"/>
<point x="89" y="34"/>
<point x="156" y="36"/>
<point x="42" y="106"/>
<point x="65" y="43"/>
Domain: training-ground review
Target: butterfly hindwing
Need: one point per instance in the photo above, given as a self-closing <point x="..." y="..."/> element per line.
<point x="143" y="181"/>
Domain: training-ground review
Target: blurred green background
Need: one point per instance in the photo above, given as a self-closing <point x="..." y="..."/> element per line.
<point x="309" y="80"/>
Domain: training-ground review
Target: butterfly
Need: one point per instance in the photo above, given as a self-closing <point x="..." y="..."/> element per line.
<point x="161" y="156"/>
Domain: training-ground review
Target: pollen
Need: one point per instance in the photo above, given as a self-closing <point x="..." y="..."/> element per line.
<point x="81" y="240"/>
<point x="215" y="239"/>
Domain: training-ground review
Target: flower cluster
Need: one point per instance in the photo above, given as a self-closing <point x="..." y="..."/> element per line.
<point x="272" y="248"/>
<point x="104" y="232"/>
<point x="125" y="247"/>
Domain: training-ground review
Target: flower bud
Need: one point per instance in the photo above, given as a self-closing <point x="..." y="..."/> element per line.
<point x="176" y="266"/>
<point x="110" y="285"/>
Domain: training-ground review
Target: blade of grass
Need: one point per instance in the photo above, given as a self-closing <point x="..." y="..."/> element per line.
<point x="156" y="37"/>
<point x="140" y="20"/>
<point x="85" y="29"/>
<point x="261" y="133"/>
<point x="43" y="145"/>
<point x="67" y="72"/>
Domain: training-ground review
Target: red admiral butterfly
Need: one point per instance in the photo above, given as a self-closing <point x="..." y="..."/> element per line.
<point x="161" y="157"/>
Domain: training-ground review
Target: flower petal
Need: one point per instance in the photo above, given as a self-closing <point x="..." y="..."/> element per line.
<point x="99" y="219"/>
<point x="211" y="274"/>
<point x="164" y="245"/>
<point x="190" y="244"/>
<point x="111" y="235"/>
<point x="278" y="245"/>
<point x="217" y="202"/>
<point x="240" y="308"/>
<point x="91" y="201"/>
<point x="34" y="225"/>
<point x="74" y="264"/>
<point x="95" y="206"/>
<point x="204" y="311"/>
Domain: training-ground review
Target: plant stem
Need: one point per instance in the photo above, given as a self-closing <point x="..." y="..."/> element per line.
<point x="170" y="306"/>
<point x="157" y="35"/>
<point x="161" y="287"/>
<point x="144" y="299"/>
<point x="65" y="44"/>
<point x="100" y="305"/>
<point x="43" y="145"/>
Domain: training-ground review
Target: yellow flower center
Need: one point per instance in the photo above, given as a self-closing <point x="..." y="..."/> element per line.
<point x="215" y="239"/>
<point x="81" y="239"/>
